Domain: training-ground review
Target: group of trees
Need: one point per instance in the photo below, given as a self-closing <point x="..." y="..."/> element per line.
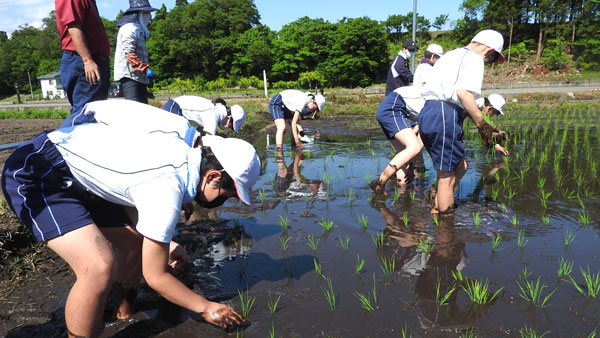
<point x="212" y="43"/>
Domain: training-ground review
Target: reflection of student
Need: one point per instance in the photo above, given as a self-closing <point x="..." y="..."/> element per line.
<point x="300" y="186"/>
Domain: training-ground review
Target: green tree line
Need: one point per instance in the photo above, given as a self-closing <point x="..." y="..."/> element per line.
<point x="213" y="44"/>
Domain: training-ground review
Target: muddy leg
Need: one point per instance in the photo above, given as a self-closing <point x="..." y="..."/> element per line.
<point x="90" y="256"/>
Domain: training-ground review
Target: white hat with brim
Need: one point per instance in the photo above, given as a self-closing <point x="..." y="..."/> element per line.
<point x="238" y="158"/>
<point x="239" y="116"/>
<point x="492" y="39"/>
<point x="320" y="100"/>
<point x="435" y="49"/>
<point x="497" y="101"/>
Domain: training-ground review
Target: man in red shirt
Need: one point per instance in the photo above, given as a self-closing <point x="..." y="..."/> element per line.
<point x="84" y="68"/>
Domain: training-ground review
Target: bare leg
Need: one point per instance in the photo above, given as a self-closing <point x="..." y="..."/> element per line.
<point x="280" y="124"/>
<point x="90" y="256"/>
<point x="127" y="243"/>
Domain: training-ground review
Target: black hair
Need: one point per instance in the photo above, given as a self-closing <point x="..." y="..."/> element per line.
<point x="219" y="100"/>
<point x="210" y="161"/>
<point x="486" y="102"/>
<point x="428" y="54"/>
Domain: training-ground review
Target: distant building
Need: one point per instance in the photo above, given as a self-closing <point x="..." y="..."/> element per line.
<point x="51" y="86"/>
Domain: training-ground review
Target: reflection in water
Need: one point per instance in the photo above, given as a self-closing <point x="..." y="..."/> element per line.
<point x="432" y="270"/>
<point x="290" y="182"/>
<point x="486" y="182"/>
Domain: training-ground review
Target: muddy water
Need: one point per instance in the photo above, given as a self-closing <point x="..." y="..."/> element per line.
<point x="328" y="181"/>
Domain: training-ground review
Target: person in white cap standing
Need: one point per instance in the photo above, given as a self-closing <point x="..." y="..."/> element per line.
<point x="423" y="71"/>
<point x="207" y="114"/>
<point x="287" y="107"/>
<point x="450" y="96"/>
<point x="109" y="209"/>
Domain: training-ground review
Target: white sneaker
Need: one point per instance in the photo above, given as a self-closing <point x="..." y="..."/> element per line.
<point x="306" y="139"/>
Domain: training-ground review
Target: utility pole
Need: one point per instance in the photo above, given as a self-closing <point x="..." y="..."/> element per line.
<point x="414" y="31"/>
<point x="30" y="87"/>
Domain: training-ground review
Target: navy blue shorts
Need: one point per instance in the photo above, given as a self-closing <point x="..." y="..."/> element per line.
<point x="278" y="110"/>
<point x="41" y="191"/>
<point x="440" y="127"/>
<point x="78" y="117"/>
<point x="172" y="107"/>
<point x="392" y="115"/>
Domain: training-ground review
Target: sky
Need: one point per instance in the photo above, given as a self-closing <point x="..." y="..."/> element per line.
<point x="273" y="13"/>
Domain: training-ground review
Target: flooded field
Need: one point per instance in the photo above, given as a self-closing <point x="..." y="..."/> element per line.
<point x="326" y="257"/>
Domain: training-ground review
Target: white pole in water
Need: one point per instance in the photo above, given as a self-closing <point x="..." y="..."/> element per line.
<point x="268" y="140"/>
<point x="265" y="82"/>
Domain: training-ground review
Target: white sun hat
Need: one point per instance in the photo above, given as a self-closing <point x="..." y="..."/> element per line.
<point x="492" y="39"/>
<point x="435" y="49"/>
<point x="497" y="101"/>
<point x="238" y="158"/>
<point x="239" y="116"/>
<point x="320" y="100"/>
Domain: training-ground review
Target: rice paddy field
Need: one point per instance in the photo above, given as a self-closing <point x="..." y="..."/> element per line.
<point x="519" y="258"/>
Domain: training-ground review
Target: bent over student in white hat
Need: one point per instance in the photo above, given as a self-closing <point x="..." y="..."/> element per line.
<point x="287" y="107"/>
<point x="207" y="114"/>
<point x="92" y="188"/>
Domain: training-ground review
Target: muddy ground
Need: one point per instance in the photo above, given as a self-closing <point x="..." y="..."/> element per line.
<point x="34" y="283"/>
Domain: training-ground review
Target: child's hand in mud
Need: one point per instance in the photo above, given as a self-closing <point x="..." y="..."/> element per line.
<point x="177" y="255"/>
<point x="223" y="316"/>
<point x="501" y="149"/>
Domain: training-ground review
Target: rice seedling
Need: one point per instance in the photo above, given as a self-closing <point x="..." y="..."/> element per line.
<point x="511" y="194"/>
<point x="592" y="334"/>
<point x="457" y="275"/>
<point x="478" y="291"/>
<point x="388" y="265"/>
<point x="368" y="178"/>
<point x="284" y="222"/>
<point x="436" y="219"/>
<point x="272" y="331"/>
<point x="584" y="217"/>
<point x="273" y="303"/>
<point x="413" y="196"/>
<point x="564" y="267"/>
<point x="495" y="242"/>
<point x="405" y="333"/>
<point x="531" y="333"/>
<point x="532" y="291"/>
<point x="424" y="246"/>
<point x="545" y="219"/>
<point x="521" y="240"/>
<point x="350" y="195"/>
<point x="345" y="243"/>
<point x="397" y="195"/>
<point x="442" y="298"/>
<point x="469" y="333"/>
<point x="262" y="194"/>
<point x="312" y="244"/>
<point x="359" y="265"/>
<point x="495" y="192"/>
<point x="581" y="204"/>
<point x="569" y="237"/>
<point x="476" y="219"/>
<point x="378" y="239"/>
<point x="362" y="220"/>
<point x="318" y="267"/>
<point x="327" y="177"/>
<point x="329" y="293"/>
<point x="284" y="240"/>
<point x="325" y="224"/>
<point x="405" y="219"/>
<point x="503" y="206"/>
<point x="541" y="182"/>
<point x="544" y="198"/>
<point x="246" y="302"/>
<point x="364" y="301"/>
<point x="215" y="278"/>
<point x="592" y="283"/>
<point x="374" y="290"/>
<point x="514" y="221"/>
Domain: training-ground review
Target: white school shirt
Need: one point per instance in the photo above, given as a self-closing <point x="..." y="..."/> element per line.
<point x="133" y="115"/>
<point x="155" y="173"/>
<point x="458" y="69"/>
<point x="202" y="112"/>
<point x="422" y="74"/>
<point x="412" y="96"/>
<point x="294" y="100"/>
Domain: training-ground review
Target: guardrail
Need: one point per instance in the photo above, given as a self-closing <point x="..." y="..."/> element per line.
<point x="10" y="146"/>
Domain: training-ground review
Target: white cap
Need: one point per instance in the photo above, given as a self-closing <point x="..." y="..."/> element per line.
<point x="320" y="100"/>
<point x="497" y="101"/>
<point x="238" y="116"/>
<point x="492" y="39"/>
<point x="435" y="49"/>
<point x="238" y="158"/>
